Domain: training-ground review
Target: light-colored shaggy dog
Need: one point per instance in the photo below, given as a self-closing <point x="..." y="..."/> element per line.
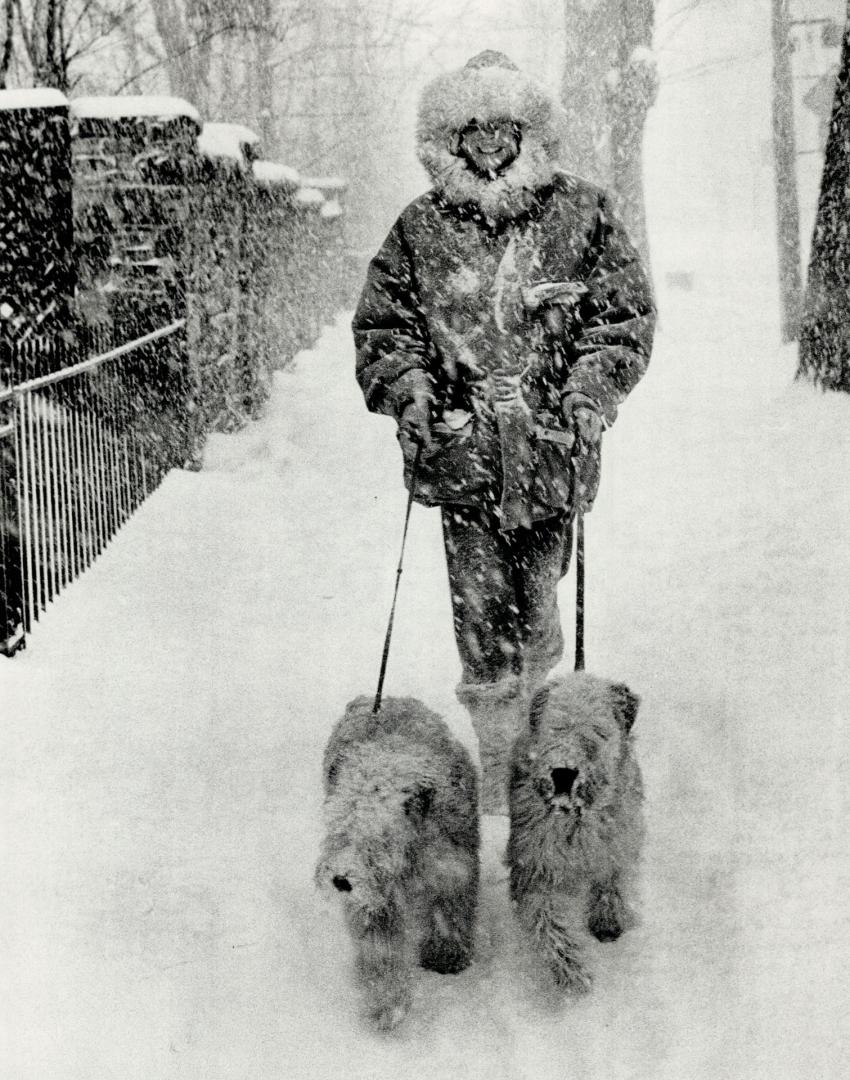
<point x="401" y="846"/>
<point x="576" y="823"/>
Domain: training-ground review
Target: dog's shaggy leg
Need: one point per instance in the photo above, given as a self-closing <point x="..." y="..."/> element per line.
<point x="449" y="932"/>
<point x="383" y="965"/>
<point x="608" y="914"/>
<point x="556" y="939"/>
<point x="448" y="947"/>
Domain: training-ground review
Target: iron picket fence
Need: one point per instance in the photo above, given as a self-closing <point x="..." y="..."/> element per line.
<point x="80" y="449"/>
<point x="151" y="281"/>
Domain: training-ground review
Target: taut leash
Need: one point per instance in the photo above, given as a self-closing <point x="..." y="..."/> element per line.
<point x="579" y="592"/>
<point x="376" y="708"/>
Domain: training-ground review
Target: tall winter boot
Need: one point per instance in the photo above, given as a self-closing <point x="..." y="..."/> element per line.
<point x="496" y="710"/>
<point x="533" y="677"/>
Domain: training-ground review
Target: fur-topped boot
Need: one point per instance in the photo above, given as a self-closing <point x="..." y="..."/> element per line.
<point x="496" y="710"/>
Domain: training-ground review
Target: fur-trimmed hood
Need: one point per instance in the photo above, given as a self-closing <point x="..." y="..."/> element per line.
<point x="489" y="87"/>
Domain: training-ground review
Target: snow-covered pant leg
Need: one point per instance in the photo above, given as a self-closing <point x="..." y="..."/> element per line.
<point x="507" y="626"/>
<point x="504" y="590"/>
<point x="543" y="557"/>
<point x="483" y="593"/>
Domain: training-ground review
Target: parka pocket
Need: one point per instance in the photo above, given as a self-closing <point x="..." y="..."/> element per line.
<point x="553" y="479"/>
<point x="459" y="463"/>
<point x="568" y="468"/>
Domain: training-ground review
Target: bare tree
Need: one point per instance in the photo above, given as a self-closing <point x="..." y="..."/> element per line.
<point x="43" y="31"/>
<point x="340" y="77"/>
<point x="785" y="158"/>
<point x="186" y="30"/>
<point x="825" y="331"/>
<point x="7" y="49"/>
<point x="321" y="82"/>
<point x="609" y="84"/>
<point x="53" y="35"/>
<point x="224" y="58"/>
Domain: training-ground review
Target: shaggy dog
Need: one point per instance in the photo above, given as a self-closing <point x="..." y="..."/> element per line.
<point x="576" y="826"/>
<point x="401" y="846"/>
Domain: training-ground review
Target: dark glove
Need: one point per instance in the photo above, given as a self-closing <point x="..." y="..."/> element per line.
<point x="414" y="427"/>
<point x="582" y="417"/>
<point x="584" y="421"/>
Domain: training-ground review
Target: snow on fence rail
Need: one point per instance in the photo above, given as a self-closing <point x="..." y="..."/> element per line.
<point x="151" y="279"/>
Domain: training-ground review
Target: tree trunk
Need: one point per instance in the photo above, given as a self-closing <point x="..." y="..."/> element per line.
<point x="187" y="55"/>
<point x="582" y="91"/>
<point x="608" y="86"/>
<point x="825" y="330"/>
<point x="8" y="41"/>
<point x="785" y="157"/>
<point x="43" y="39"/>
<point x="265" y="93"/>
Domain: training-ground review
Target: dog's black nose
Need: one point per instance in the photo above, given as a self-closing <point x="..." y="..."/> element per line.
<point x="563" y="780"/>
<point x="342" y="884"/>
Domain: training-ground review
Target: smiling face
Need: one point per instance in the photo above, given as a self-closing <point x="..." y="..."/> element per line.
<point x="491" y="147"/>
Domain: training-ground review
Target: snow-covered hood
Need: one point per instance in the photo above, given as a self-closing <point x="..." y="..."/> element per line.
<point x="489" y="87"/>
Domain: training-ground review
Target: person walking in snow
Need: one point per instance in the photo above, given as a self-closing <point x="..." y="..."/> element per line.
<point x="505" y="318"/>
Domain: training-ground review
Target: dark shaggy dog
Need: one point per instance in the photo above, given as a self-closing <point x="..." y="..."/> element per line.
<point x="401" y="846"/>
<point x="576" y="826"/>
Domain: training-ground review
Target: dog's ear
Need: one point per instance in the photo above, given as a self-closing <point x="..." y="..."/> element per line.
<point x="625" y="705"/>
<point x="538" y="707"/>
<point x="419" y="802"/>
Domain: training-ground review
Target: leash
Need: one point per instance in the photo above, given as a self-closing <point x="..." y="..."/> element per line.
<point x="579" y="592"/>
<point x="376" y="708"/>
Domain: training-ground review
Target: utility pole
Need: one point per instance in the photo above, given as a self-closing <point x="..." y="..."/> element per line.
<point x="784" y="153"/>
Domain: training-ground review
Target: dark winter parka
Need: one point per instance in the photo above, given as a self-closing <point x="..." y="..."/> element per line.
<point x="527" y="280"/>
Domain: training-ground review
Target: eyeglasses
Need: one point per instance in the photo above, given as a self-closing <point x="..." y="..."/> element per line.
<point x="491" y="127"/>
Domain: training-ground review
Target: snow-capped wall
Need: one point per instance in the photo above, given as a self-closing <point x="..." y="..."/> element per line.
<point x="226" y="141"/>
<point x="38" y="97"/>
<point x="126" y="106"/>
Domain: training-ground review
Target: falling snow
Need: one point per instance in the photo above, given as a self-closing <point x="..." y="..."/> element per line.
<point x="164" y="729"/>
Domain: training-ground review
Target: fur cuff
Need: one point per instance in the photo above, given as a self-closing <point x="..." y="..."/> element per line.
<point x="492" y="693"/>
<point x="587" y="385"/>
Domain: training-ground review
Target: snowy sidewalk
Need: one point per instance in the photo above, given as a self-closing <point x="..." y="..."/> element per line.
<point x="163" y="734"/>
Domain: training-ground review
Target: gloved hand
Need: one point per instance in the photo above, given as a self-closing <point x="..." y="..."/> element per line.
<point x="582" y="417"/>
<point x="585" y="423"/>
<point x="414" y="427"/>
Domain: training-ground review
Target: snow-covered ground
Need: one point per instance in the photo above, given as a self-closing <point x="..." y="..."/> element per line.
<point x="163" y="733"/>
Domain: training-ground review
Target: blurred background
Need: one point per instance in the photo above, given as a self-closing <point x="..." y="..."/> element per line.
<point x="331" y="85"/>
